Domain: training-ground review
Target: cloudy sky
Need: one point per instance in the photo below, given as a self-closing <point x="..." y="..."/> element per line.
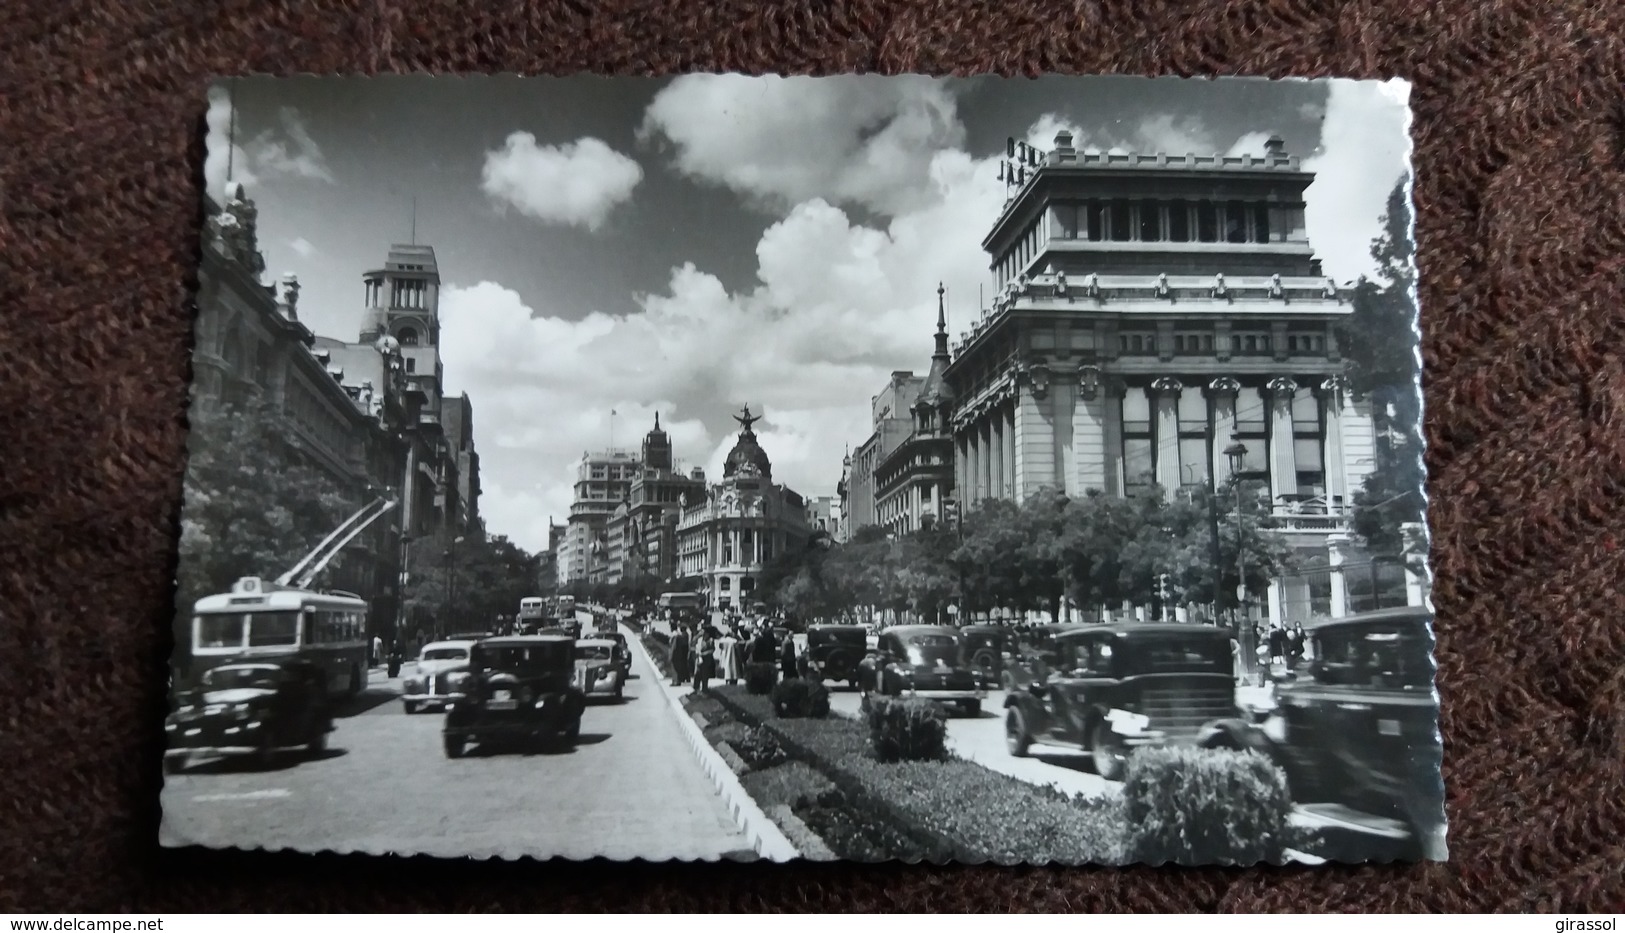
<point x="692" y="245"/>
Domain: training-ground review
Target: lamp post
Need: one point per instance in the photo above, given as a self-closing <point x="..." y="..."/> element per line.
<point x="1237" y="455"/>
<point x="451" y="582"/>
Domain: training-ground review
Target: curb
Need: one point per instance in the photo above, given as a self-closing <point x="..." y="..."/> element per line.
<point x="769" y="841"/>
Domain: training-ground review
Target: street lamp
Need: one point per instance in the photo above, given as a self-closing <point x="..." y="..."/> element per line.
<point x="451" y="579"/>
<point x="1237" y="455"/>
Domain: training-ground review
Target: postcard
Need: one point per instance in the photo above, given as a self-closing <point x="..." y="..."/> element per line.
<point x="868" y="468"/>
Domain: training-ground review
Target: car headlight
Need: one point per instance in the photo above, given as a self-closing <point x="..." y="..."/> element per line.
<point x="1275" y="729"/>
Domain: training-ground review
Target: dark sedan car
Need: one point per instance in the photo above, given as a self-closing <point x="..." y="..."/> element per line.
<point x="923" y="661"/>
<point x="256" y="709"/>
<point x="835" y="651"/>
<point x="1357" y="732"/>
<point x="1112" y="688"/>
<point x="519" y="690"/>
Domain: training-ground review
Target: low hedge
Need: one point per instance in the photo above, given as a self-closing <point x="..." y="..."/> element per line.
<point x="907" y="730"/>
<point x="659" y="653"/>
<point x="789" y="783"/>
<point x="800" y="698"/>
<point x="949" y="809"/>
<point x="1198" y="807"/>
<point x="760" y="677"/>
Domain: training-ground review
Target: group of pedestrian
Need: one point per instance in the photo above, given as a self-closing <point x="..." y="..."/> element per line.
<point x="1285" y="643"/>
<point x="702" y="652"/>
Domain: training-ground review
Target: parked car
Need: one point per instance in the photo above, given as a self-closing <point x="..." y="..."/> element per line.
<point x="1032" y="654"/>
<point x="923" y="661"/>
<point x="600" y="669"/>
<point x="1357" y="731"/>
<point x="835" y="651"/>
<point x="519" y="690"/>
<point x="625" y="658"/>
<point x="440" y="668"/>
<point x="1115" y="687"/>
<point x="986" y="651"/>
<point x="257" y="709"/>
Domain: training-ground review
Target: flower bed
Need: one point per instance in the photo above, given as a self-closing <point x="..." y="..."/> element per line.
<point x="949" y="809"/>
<point x="659" y="653"/>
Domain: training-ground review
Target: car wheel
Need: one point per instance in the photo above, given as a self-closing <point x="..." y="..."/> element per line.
<point x="265" y="755"/>
<point x="1017" y="737"/>
<point x="355" y="681"/>
<point x="454" y="746"/>
<point x="318" y="743"/>
<point x="409" y="706"/>
<point x="574" y="731"/>
<point x="1110" y="757"/>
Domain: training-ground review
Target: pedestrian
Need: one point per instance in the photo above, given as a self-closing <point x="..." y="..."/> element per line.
<point x="765" y="648"/>
<point x="705" y="661"/>
<point x="787" y="657"/>
<point x="682" y="662"/>
<point x="377" y="652"/>
<point x="1295" y="643"/>
<point x="728" y="656"/>
<point x="1277" y="643"/>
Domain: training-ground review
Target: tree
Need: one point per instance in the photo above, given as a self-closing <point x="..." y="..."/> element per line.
<point x="468" y="585"/>
<point x="1379" y="342"/>
<point x="251" y="507"/>
<point x="925" y="570"/>
<point x="988" y="556"/>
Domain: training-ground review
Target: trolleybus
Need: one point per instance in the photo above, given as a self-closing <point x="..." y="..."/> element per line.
<point x="263" y="620"/>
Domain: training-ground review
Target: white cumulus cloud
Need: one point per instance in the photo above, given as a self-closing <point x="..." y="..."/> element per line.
<point x="286" y="149"/>
<point x="852" y="140"/>
<point x="1364" y="151"/>
<point x="574" y="184"/>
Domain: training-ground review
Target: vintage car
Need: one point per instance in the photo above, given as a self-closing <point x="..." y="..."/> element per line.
<point x="985" y="651"/>
<point x="925" y="661"/>
<point x="256" y="709"/>
<point x="835" y="651"/>
<point x="625" y="658"/>
<point x="440" y="667"/>
<point x="1116" y="687"/>
<point x="600" y="669"/>
<point x="519" y="691"/>
<point x="1357" y="732"/>
<point x="1030" y="655"/>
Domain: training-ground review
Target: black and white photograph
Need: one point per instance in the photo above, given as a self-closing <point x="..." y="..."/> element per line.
<point x="865" y="468"/>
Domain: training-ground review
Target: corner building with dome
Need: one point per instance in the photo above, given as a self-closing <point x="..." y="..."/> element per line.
<point x="730" y="533"/>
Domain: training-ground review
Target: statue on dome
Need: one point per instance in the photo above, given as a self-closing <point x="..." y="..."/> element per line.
<point x="746" y="419"/>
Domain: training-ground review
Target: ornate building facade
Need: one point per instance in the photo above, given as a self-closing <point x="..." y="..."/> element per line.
<point x="726" y="536"/>
<point x="345" y="407"/>
<point x="1150" y="310"/>
<point x="892" y="418"/>
<point x="915" y="480"/>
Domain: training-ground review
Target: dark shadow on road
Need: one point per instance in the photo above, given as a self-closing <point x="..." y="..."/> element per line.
<point x="243" y="764"/>
<point x="368" y="700"/>
<point x="1078" y="762"/>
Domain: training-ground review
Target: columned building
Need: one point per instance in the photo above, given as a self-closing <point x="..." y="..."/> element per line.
<point x="728" y="535"/>
<point x="916" y="479"/>
<point x="642" y="538"/>
<point x="1148" y="309"/>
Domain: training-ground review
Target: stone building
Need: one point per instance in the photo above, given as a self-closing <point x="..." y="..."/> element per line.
<point x="344" y="412"/>
<point x="915" y="479"/>
<point x="460" y="499"/>
<point x="603" y="483"/>
<point x="1150" y="309"/>
<point x="892" y="420"/>
<point x="641" y="538"/>
<point x="727" y="536"/>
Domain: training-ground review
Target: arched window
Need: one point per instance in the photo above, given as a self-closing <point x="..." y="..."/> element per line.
<point x="408" y="336"/>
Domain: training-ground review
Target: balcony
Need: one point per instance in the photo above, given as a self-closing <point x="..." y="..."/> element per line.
<point x="1310" y="514"/>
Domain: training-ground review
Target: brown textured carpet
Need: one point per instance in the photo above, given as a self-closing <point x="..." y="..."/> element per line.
<point x="1521" y="134"/>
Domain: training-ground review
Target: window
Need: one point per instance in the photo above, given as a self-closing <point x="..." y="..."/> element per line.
<point x="411" y="365"/>
<point x="273" y="628"/>
<point x="1150" y="222"/>
<point x="1207" y="222"/>
<point x="1066" y="218"/>
<point x="1307" y="443"/>
<point x="1261" y="223"/>
<point x="1305" y="412"/>
<point x="1255" y="344"/>
<point x="1095" y="220"/>
<point x="220" y="631"/>
<point x="1139" y="456"/>
<point x="408" y="336"/>
<point x="1192" y="412"/>
<point x="1193" y="343"/>
<point x="1179" y="221"/>
<point x="1235" y="222"/>
<point x="1305" y="343"/>
<point x="1119" y="223"/>
<point x="1137" y="343"/>
<point x="1252" y="429"/>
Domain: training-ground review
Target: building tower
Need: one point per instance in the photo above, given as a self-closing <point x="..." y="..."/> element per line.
<point x="657" y="449"/>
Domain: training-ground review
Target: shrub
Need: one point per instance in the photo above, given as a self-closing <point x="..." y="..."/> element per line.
<point x="790" y="783"/>
<point x="793" y="699"/>
<point x="1201" y="807"/>
<point x="659" y="653"/>
<point x="760" y="678"/>
<point x="759" y="749"/>
<point x="854" y="832"/>
<point x="907" y="730"/>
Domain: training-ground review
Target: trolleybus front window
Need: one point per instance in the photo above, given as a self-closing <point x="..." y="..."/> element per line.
<point x="220" y="631"/>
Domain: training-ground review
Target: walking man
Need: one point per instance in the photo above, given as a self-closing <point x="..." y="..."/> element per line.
<point x="681" y="660"/>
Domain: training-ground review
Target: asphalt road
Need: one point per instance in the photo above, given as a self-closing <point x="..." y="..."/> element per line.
<point x="630" y="789"/>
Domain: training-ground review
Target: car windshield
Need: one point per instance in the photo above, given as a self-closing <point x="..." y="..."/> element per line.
<point x="444" y="654"/>
<point x="1174" y="654"/>
<point x="1380" y="655"/>
<point x="540" y="658"/>
<point x="933" y="648"/>
<point x="234" y="678"/>
<point x="595" y="652"/>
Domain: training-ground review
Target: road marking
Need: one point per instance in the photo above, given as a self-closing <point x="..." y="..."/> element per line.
<point x="271" y="794"/>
